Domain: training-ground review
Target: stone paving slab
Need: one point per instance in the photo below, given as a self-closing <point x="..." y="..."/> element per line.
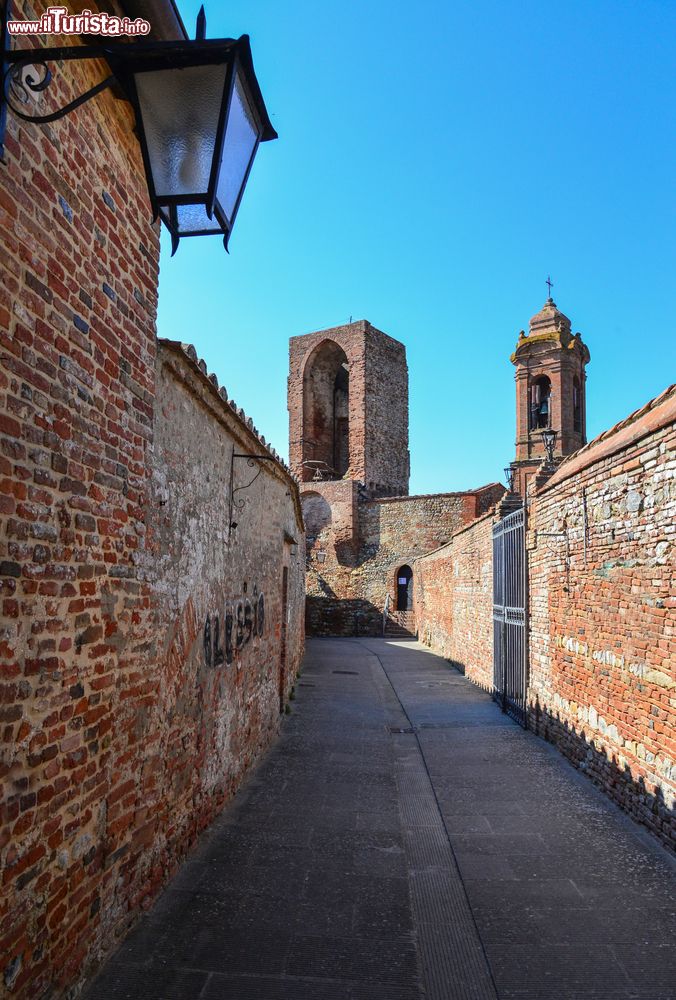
<point x="404" y="840"/>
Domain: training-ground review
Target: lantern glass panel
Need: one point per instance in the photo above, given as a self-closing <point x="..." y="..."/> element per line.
<point x="180" y="111"/>
<point x="190" y="219"/>
<point x="241" y="136"/>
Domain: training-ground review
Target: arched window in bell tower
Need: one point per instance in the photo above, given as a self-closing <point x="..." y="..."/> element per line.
<point x="326" y="409"/>
<point x="540" y="403"/>
<point x="577" y="405"/>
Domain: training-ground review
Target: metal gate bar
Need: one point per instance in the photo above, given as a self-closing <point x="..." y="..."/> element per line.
<point x="509" y="615"/>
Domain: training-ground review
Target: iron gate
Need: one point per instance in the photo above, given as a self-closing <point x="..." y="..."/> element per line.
<point x="509" y="615"/>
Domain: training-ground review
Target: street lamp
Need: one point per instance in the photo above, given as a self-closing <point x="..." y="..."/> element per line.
<point x="200" y="117"/>
<point x="549" y="441"/>
<point x="509" y="478"/>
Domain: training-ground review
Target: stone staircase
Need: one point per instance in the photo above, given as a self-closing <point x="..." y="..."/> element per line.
<point x="399" y="625"/>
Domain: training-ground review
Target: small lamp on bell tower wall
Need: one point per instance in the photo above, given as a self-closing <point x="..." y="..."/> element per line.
<point x="549" y="441"/>
<point x="509" y="478"/>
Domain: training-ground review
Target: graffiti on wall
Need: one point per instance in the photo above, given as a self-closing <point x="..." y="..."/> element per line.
<point x="226" y="634"/>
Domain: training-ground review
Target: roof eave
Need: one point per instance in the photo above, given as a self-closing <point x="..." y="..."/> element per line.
<point x="164" y="17"/>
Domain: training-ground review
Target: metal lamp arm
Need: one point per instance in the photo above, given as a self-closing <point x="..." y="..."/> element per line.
<point x="12" y="78"/>
<point x="12" y="63"/>
<point x="240" y="502"/>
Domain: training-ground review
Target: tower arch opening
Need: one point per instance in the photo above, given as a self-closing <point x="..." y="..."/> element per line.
<point x="540" y="403"/>
<point x="326" y="409"/>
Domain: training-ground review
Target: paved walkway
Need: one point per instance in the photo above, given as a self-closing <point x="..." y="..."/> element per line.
<point x="406" y="841"/>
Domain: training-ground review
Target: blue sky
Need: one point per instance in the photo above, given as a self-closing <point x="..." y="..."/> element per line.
<point x="436" y="161"/>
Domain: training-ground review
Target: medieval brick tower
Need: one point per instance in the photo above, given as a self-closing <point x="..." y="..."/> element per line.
<point x="348" y="422"/>
<point x="348" y="408"/>
<point x="550" y="391"/>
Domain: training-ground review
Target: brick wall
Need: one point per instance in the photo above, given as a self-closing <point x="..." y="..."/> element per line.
<point x="602" y="638"/>
<point x="454" y="600"/>
<point x="601" y="547"/>
<point x="119" y="741"/>
<point x="347" y="592"/>
<point x="78" y="291"/>
<point x="387" y="464"/>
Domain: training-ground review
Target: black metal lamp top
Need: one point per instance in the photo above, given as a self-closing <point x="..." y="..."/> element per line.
<point x="509" y="478"/>
<point x="200" y="117"/>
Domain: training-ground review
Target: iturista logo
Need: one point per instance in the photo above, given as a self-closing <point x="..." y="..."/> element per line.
<point x="58" y="21"/>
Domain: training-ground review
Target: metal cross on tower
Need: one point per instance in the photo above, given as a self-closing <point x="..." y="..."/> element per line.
<point x="549" y="284"/>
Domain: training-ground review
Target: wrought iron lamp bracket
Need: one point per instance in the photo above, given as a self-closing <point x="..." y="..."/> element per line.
<point x="239" y="503"/>
<point x="14" y="77"/>
<point x="14" y="63"/>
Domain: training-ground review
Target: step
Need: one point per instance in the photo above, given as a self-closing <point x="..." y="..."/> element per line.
<point x="399" y="631"/>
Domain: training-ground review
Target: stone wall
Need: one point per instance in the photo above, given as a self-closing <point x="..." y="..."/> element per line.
<point x="119" y="740"/>
<point x="346" y="592"/>
<point x="454" y="600"/>
<point x="219" y="701"/>
<point x="602" y="637"/>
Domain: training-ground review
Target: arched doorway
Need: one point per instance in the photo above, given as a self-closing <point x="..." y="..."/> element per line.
<point x="404" y="588"/>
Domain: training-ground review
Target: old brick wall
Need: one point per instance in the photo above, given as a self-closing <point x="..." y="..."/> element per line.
<point x="387" y="463"/>
<point x="602" y="637"/>
<point x="454" y="600"/>
<point x="103" y="695"/>
<point x="218" y="702"/>
<point x="488" y="497"/>
<point x="346" y="592"/>
<point x="396" y="531"/>
<point x="78" y="289"/>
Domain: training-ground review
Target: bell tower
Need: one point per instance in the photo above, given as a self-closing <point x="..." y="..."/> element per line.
<point x="550" y="379"/>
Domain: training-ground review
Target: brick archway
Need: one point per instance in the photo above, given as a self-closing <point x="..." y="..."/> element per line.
<point x="326" y="394"/>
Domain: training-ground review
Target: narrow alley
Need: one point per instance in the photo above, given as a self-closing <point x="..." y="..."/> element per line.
<point x="403" y="839"/>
